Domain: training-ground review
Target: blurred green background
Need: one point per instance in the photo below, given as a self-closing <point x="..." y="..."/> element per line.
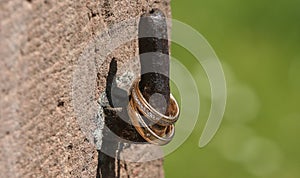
<point x="258" y="44"/>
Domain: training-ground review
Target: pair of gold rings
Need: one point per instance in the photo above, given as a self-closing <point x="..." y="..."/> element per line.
<point x="153" y="126"/>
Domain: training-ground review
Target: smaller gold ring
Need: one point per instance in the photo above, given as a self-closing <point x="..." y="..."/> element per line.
<point x="152" y="114"/>
<point x="147" y="132"/>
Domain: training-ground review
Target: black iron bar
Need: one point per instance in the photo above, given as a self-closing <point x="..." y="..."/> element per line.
<point x="154" y="57"/>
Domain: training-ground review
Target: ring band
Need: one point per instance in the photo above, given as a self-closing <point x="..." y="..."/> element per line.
<point x="151" y="113"/>
<point x="146" y="131"/>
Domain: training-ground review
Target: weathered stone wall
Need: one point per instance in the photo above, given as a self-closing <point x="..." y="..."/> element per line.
<point x="40" y="43"/>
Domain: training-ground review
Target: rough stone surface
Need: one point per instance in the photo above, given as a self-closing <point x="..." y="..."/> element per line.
<point x="40" y="44"/>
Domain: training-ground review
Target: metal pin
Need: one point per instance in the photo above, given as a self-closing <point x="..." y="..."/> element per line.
<point x="153" y="39"/>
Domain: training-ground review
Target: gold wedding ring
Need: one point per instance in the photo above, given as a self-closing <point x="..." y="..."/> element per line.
<point x="152" y="114"/>
<point x="146" y="131"/>
<point x="157" y="128"/>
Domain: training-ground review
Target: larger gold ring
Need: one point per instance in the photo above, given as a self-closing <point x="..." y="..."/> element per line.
<point x="148" y="132"/>
<point x="151" y="113"/>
